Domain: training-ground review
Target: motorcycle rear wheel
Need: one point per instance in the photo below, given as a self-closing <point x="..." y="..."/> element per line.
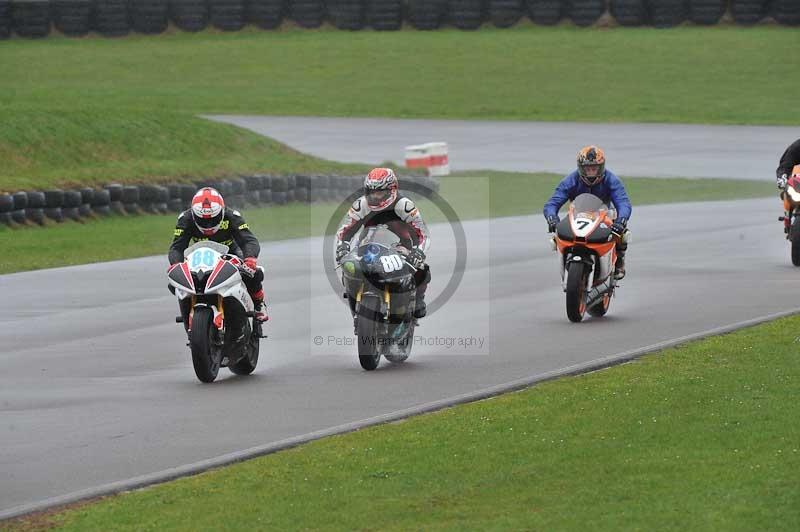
<point x="599" y="310"/>
<point x="369" y="356"/>
<point x="206" y="355"/>
<point x="576" y="290"/>
<point x="796" y="251"/>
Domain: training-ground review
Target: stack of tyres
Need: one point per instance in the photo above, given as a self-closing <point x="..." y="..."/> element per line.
<point x="667" y="13"/>
<point x="71" y="205"/>
<point x="426" y="14"/>
<point x="265" y="194"/>
<point x="238" y="190"/>
<point x="254" y="183"/>
<point x="6" y="207"/>
<point x="5" y="19"/>
<point x="747" y="12"/>
<point x="303" y="190"/>
<point x="586" y="12"/>
<point x="111" y="18"/>
<point x="266" y="14"/>
<point x="505" y="13"/>
<point x="189" y="15"/>
<point x="307" y="13"/>
<point x="101" y="202"/>
<point x="785" y="12"/>
<point x="346" y="14"/>
<point x="174" y="201"/>
<point x="546" y="12"/>
<point x="226" y="15"/>
<point x="19" y="206"/>
<point x="280" y="188"/>
<point x="149" y="16"/>
<point x="706" y="12"/>
<point x="115" y="198"/>
<point x="34" y="206"/>
<point x="466" y="14"/>
<point x="31" y="18"/>
<point x="629" y="12"/>
<point x="54" y="201"/>
<point x="384" y="15"/>
<point x="87" y="198"/>
<point x="291" y="184"/>
<point x="130" y="199"/>
<point x="72" y="17"/>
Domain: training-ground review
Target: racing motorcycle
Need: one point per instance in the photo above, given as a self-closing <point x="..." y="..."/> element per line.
<point x="380" y="288"/>
<point x="791" y="218"/>
<point x="216" y="310"/>
<point x="587" y="251"/>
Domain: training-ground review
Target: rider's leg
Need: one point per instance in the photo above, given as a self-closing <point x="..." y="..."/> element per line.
<point x="422" y="279"/>
<point x="256" y="291"/>
<point x="622" y="248"/>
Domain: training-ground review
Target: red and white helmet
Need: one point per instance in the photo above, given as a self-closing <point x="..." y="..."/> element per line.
<point x="380" y="188"/>
<point x="208" y="210"/>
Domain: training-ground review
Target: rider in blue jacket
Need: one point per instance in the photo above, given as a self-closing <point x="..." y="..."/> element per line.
<point x="591" y="176"/>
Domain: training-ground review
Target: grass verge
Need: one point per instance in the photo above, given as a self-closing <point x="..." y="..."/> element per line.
<point x="509" y="194"/>
<point x="699" y="437"/>
<point x="41" y="149"/>
<point x="95" y="110"/>
<point x="723" y="74"/>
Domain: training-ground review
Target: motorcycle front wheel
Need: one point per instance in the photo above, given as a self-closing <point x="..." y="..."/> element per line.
<point x="206" y="354"/>
<point x="367" y="328"/>
<point x="576" y="291"/>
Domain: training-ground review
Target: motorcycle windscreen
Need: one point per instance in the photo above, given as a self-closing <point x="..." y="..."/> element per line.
<point x="588" y="203"/>
<point x="222" y="275"/>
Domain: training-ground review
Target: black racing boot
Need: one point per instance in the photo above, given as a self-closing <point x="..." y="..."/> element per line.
<point x="420" y="309"/>
<point x="619" y="267"/>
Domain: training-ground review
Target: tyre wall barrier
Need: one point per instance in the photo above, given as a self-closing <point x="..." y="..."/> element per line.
<point x="57" y="205"/>
<point x="116" y="18"/>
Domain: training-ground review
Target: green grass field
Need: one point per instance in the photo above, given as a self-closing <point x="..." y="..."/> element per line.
<point x="96" y="110"/>
<point x="700" y="437"/>
<point x="121" y="237"/>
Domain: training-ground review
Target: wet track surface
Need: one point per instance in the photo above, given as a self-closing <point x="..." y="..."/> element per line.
<point x="653" y="150"/>
<point x="97" y="384"/>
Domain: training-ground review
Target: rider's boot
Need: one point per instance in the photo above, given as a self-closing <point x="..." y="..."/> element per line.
<point x="619" y="267"/>
<point x="423" y="277"/>
<point x="260" y="310"/>
<point x="787" y="222"/>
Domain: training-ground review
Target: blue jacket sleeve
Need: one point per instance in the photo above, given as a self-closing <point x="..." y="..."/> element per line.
<point x="619" y="197"/>
<point x="560" y="196"/>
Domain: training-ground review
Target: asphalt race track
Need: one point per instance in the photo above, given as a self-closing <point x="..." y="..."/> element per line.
<point x="651" y="150"/>
<point x="97" y="385"/>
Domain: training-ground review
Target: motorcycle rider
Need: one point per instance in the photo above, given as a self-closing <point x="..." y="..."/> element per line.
<point x="383" y="204"/>
<point x="208" y="219"/>
<point x="789" y="159"/>
<point x="592" y="176"/>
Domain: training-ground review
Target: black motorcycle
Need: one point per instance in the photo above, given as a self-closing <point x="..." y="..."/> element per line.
<point x="380" y="288"/>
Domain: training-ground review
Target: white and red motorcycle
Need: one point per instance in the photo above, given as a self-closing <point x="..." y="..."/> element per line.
<point x="216" y="310"/>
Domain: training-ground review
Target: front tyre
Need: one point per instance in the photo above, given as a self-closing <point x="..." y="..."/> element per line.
<point x="367" y="330"/>
<point x="576" y="291"/>
<point x="206" y="354"/>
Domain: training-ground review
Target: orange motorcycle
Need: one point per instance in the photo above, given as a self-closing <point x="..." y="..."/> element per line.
<point x="588" y="254"/>
<point x="791" y="217"/>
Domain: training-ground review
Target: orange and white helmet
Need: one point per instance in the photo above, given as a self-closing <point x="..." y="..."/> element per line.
<point x="591" y="165"/>
<point x="380" y="188"/>
<point x="208" y="210"/>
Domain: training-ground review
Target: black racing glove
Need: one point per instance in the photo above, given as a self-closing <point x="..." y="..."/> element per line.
<point x="416" y="257"/>
<point x="342" y="250"/>
<point x="618" y="227"/>
<point x="552" y="222"/>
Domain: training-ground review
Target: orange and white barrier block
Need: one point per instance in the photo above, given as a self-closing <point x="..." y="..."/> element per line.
<point x="432" y="156"/>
